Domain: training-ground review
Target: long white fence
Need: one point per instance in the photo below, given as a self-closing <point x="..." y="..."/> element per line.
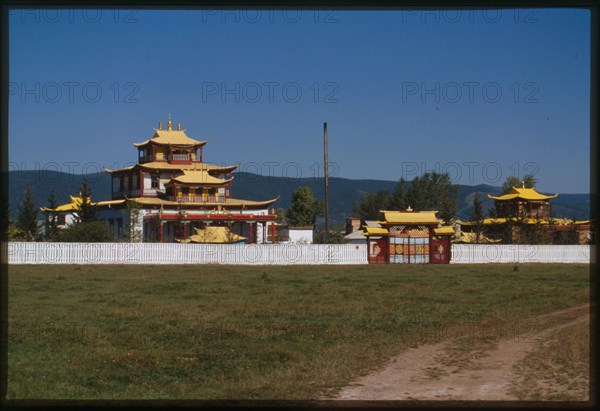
<point x="155" y="253"/>
<point x="513" y="253"/>
<point x="163" y="253"/>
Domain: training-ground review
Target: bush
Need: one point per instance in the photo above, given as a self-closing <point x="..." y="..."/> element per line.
<point x="334" y="237"/>
<point x="90" y="232"/>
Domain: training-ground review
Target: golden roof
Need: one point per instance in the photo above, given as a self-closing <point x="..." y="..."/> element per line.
<point x="523" y="193"/>
<point x="370" y="230"/>
<point x="72" y="206"/>
<point x="410" y="217"/>
<point x="444" y="230"/>
<point x="76" y="203"/>
<point x="174" y="137"/>
<point x="213" y="235"/>
<point x="199" y="177"/>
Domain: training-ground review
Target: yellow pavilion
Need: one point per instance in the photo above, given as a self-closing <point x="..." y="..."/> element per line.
<point x="525" y="216"/>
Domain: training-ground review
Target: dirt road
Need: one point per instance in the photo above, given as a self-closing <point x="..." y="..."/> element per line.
<point x="459" y="368"/>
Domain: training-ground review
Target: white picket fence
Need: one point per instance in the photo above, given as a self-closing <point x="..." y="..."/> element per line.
<point x="155" y="253"/>
<point x="513" y="253"/>
<point x="174" y="253"/>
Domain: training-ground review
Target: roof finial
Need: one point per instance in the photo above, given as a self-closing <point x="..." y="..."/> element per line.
<point x="169" y="125"/>
<point x="522" y="183"/>
<point x="160" y="125"/>
<point x="179" y="126"/>
<point x="409" y="209"/>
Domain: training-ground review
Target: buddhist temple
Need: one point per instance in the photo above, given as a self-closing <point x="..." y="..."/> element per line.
<point x="408" y="237"/>
<point x="523" y="203"/>
<point x="524" y="216"/>
<point x="176" y="193"/>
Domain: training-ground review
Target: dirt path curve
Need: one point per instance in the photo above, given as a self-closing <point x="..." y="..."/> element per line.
<point x="456" y="370"/>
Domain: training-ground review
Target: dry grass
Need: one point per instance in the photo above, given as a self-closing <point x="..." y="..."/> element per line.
<point x="224" y="332"/>
<point x="558" y="368"/>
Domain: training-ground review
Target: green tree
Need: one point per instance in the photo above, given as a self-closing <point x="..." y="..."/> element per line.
<point x="88" y="232"/>
<point x="14" y="233"/>
<point x="372" y="203"/>
<point x="399" y="200"/>
<point x="434" y="191"/>
<point x="27" y="216"/>
<point x="335" y="236"/>
<point x="88" y="227"/>
<point x="51" y="223"/>
<point x="86" y="212"/>
<point x="304" y="209"/>
<point x="447" y="210"/>
<point x="477" y="216"/>
<point x="512" y="181"/>
<point x="280" y="213"/>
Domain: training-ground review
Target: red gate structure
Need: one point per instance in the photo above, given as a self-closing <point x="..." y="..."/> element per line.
<point x="408" y="237"/>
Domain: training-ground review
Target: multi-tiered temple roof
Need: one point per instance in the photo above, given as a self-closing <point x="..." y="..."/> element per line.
<point x="173" y="185"/>
<point x="171" y="171"/>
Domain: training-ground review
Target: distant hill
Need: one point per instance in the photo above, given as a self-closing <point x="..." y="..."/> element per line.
<point x="342" y="192"/>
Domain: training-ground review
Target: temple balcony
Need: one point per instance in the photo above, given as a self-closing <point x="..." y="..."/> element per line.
<point x="197" y="199"/>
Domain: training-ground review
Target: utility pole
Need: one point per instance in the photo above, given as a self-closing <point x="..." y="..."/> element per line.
<point x="326" y="174"/>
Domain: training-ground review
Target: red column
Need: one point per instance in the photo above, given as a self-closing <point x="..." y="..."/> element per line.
<point x="249" y="233"/>
<point x="273" y="233"/>
<point x="184" y="231"/>
<point x="161" y="231"/>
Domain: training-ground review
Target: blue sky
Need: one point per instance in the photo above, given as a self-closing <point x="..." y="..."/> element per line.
<point x="479" y="94"/>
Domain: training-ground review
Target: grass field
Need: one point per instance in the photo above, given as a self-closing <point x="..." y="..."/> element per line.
<point x="251" y="332"/>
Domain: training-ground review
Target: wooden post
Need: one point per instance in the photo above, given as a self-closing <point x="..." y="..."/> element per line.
<point x="326" y="175"/>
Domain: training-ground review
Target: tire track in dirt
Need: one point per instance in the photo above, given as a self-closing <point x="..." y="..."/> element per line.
<point x="459" y="370"/>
